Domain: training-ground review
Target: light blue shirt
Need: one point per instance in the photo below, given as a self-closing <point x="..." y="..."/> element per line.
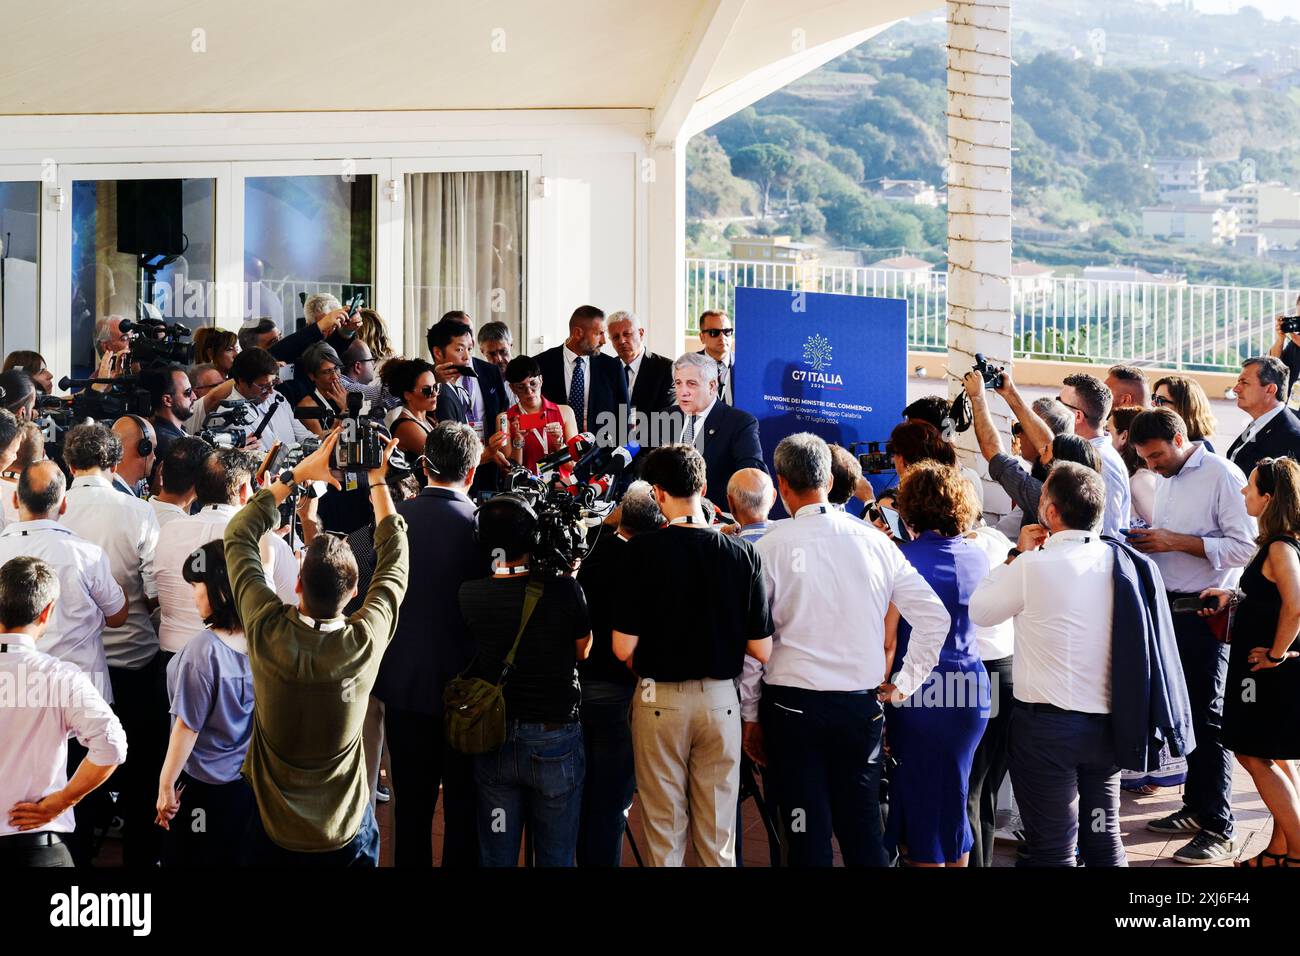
<point x="211" y="688"/>
<point x="1119" y="503"/>
<point x="1205" y="499"/>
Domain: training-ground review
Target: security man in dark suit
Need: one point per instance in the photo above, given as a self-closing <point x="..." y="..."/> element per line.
<point x="649" y="376"/>
<point x="727" y="437"/>
<point x="429" y="648"/>
<point x="718" y="336"/>
<point x="579" y="375"/>
<point x="1274" y="430"/>
<point x="477" y="400"/>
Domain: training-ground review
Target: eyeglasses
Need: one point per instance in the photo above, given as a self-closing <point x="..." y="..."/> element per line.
<point x="1159" y="401"/>
<point x="714" y="333"/>
<point x="328" y="372"/>
<point x="1069" y="406"/>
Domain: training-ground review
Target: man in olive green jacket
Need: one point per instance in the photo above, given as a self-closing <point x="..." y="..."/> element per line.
<point x="312" y="673"/>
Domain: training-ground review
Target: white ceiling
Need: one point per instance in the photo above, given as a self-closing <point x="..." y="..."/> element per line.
<point x="136" y="56"/>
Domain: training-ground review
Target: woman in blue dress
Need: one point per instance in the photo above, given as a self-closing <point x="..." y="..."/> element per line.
<point x="933" y="734"/>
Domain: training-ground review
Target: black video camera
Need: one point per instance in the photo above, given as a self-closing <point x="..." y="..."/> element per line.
<point x="992" y="374"/>
<point x="873" y="460"/>
<point x="154" y="343"/>
<point x="561" y="536"/>
<point x="229" y="425"/>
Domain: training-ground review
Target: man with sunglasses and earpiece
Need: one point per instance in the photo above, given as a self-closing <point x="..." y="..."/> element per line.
<point x="718" y="337"/>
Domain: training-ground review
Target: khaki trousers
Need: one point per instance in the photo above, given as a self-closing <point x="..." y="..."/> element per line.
<point x="686" y="743"/>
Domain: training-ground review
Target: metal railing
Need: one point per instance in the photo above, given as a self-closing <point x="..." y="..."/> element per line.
<point x="1166" y="324"/>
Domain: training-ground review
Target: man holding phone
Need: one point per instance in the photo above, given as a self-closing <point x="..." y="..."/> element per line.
<point x="1202" y="537"/>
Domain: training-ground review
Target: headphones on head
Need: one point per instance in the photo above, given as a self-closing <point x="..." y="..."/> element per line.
<point x="513" y="499"/>
<point x="144" y="447"/>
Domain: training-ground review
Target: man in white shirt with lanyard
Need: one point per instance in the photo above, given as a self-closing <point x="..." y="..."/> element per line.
<point x="57" y="701"/>
<point x="830" y="580"/>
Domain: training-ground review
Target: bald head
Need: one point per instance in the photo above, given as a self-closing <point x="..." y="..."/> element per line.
<point x="40" y="491"/>
<point x="750" y="495"/>
<point x="135" y="433"/>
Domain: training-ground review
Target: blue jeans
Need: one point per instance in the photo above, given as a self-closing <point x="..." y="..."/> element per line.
<point x="535" y="779"/>
<point x="611" y="772"/>
<point x="1208" y="790"/>
<point x="361" y="851"/>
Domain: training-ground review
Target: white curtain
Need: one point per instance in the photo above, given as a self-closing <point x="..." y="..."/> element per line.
<point x="464" y="250"/>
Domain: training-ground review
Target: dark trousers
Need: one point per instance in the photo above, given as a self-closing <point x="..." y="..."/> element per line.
<point x="420" y="760"/>
<point x="361" y="852"/>
<point x="140" y="702"/>
<point x="1208" y="792"/>
<point x="611" y="773"/>
<point x="34" y="850"/>
<point x="210" y="825"/>
<point x="95" y="810"/>
<point x="1067" y="787"/>
<point x="823" y="756"/>
<point x="989" y="765"/>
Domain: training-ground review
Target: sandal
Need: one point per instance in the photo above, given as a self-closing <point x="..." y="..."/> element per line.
<point x="1290" y="861"/>
<point x="1257" y="862"/>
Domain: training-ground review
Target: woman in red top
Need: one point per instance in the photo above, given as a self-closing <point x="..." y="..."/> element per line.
<point x="537" y="425"/>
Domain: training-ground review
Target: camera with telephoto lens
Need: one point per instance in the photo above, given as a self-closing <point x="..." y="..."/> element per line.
<point x="992" y="374"/>
<point x="560" y="538"/>
<point x="1290" y="324"/>
<point x="155" y="342"/>
<point x="228" y="426"/>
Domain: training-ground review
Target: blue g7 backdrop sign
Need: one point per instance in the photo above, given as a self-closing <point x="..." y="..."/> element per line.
<point x="833" y="365"/>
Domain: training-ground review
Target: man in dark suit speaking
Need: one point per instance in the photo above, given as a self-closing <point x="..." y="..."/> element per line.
<point x="649" y="376"/>
<point x="1274" y="430"/>
<point x="579" y="375"/>
<point x="727" y="437"/>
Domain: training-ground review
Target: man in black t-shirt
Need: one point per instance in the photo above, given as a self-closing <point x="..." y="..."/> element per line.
<point x="608" y="685"/>
<point x="536" y="778"/>
<point x="1286" y="346"/>
<point x="686" y="715"/>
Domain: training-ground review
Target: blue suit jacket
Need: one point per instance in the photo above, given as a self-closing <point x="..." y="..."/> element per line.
<point x="730" y="444"/>
<point x="1148" y="696"/>
<point x="430" y="645"/>
<point x="606" y="387"/>
<point x="451" y="409"/>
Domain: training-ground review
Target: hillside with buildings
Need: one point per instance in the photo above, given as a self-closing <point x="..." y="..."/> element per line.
<point x="1187" y="166"/>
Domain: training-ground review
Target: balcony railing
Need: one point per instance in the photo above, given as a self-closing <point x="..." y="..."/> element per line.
<point x="1168" y="325"/>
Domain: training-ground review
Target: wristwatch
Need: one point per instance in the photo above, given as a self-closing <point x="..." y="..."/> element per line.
<point x="1013" y="554"/>
<point x="286" y="478"/>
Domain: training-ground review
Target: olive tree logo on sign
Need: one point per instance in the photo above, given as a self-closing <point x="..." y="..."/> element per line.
<point x="817" y="352"/>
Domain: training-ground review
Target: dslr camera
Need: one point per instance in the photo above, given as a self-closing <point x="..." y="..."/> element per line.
<point x="992" y="374"/>
<point x="1290" y="324"/>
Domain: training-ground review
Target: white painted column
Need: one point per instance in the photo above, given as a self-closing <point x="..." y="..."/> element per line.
<point x="663" y="175"/>
<point x="979" y="204"/>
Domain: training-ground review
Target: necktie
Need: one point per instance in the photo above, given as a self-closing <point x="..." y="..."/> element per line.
<point x="688" y="436"/>
<point x="627" y="377"/>
<point x="722" y="383"/>
<point x="462" y="393"/>
<point x="578" y="395"/>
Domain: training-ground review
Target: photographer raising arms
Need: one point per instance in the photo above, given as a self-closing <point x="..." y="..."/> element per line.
<point x="312" y="674"/>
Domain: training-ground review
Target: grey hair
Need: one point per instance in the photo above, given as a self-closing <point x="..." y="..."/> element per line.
<point x="27" y="586"/>
<point x="92" y="445"/>
<point x="640" y="512"/>
<point x="1054" y="415"/>
<point x="750" y="500"/>
<point x="451" y="450"/>
<point x="622" y="315"/>
<point x="316" y="355"/>
<point x="319" y="304"/>
<point x="708" y="367"/>
<point x="495" y="332"/>
<point x="1271" y="371"/>
<point x="803" y="460"/>
<point x="195" y="370"/>
<point x="103" y="330"/>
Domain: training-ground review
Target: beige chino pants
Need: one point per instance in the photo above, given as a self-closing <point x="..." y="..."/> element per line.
<point x="686" y="743"/>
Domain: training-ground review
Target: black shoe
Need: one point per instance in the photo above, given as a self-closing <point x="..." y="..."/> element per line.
<point x="1207" y="847"/>
<point x="1183" y="821"/>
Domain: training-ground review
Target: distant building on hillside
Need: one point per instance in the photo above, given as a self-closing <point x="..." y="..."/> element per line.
<point x="800" y="258"/>
<point x="1263" y="202"/>
<point x="1180" y="179"/>
<point x="1204" y="224"/>
<point x="1281" y="233"/>
<point x="913" y="270"/>
<point x="1030" y="278"/>
<point x="915" y="191"/>
<point x="1250" y="243"/>
<point x="1130" y="274"/>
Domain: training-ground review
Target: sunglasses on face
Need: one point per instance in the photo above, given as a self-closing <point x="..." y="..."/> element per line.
<point x="428" y="391"/>
<point x="1075" y="408"/>
<point x="714" y="333"/>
